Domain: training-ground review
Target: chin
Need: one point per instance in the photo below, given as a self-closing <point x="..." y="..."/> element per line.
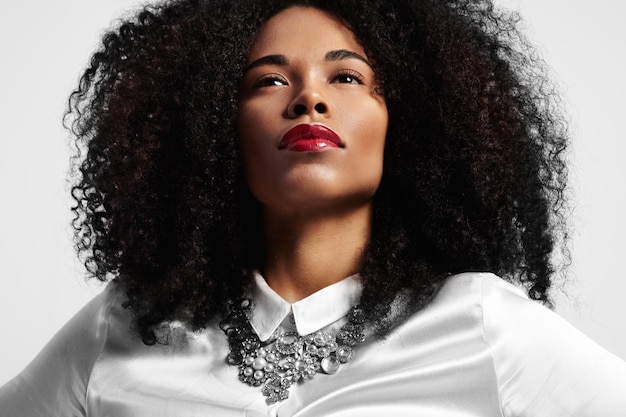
<point x="315" y="200"/>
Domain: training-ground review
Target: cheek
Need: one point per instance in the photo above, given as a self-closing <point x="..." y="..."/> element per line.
<point x="255" y="141"/>
<point x="362" y="171"/>
<point x="376" y="132"/>
<point x="372" y="129"/>
<point x="252" y="135"/>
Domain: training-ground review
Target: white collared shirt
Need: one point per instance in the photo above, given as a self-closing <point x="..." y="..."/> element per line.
<point x="306" y="316"/>
<point x="480" y="348"/>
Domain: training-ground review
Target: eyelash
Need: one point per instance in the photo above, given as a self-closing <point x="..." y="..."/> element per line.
<point x="270" y="80"/>
<point x="275" y="80"/>
<point x="348" y="73"/>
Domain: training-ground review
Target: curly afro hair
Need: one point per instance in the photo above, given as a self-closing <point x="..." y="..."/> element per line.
<point x="474" y="174"/>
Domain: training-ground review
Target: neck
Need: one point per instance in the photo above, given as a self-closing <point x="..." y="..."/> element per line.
<point x="305" y="252"/>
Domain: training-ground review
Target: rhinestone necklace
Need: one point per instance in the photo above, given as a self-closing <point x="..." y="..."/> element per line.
<point x="286" y="357"/>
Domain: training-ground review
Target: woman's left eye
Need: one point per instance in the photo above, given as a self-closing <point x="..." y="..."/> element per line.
<point x="347" y="77"/>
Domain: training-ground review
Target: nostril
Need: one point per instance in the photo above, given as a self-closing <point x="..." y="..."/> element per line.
<point x="320" y="108"/>
<point x="299" y="109"/>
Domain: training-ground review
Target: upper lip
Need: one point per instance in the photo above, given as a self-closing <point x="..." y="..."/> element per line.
<point x="309" y="131"/>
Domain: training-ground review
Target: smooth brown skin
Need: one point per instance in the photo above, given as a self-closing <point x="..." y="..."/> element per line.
<point x="316" y="205"/>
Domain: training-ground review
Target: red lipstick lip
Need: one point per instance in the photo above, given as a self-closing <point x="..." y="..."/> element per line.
<point x="308" y="137"/>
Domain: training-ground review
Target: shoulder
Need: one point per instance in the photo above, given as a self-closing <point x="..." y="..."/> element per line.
<point x="544" y="366"/>
<point x="55" y="382"/>
<point x="84" y="336"/>
<point x="477" y="285"/>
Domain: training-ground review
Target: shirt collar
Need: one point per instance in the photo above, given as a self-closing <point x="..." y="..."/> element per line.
<point x="310" y="314"/>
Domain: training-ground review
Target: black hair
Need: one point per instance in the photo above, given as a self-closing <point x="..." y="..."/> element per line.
<point x="474" y="176"/>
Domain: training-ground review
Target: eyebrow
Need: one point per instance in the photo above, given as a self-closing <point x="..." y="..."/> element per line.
<point x="340" y="54"/>
<point x="335" y="55"/>
<point x="267" y="60"/>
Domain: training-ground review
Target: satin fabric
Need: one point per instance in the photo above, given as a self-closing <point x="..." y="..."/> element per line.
<point x="481" y="348"/>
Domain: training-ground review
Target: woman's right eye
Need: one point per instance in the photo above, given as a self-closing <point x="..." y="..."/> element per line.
<point x="270" y="80"/>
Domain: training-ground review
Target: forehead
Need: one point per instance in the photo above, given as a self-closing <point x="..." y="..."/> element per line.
<point x="302" y="29"/>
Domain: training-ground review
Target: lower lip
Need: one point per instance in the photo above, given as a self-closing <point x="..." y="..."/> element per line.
<point x="310" y="145"/>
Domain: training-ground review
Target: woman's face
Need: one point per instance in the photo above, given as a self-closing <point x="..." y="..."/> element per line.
<point x="311" y="125"/>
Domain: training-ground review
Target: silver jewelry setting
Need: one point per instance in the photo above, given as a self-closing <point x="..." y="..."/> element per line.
<point x="287" y="358"/>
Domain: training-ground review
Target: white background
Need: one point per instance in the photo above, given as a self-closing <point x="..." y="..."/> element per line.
<point x="45" y="44"/>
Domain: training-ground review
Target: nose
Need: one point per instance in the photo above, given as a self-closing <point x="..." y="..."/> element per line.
<point x="308" y="101"/>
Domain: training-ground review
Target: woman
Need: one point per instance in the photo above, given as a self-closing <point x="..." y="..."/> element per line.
<point x="254" y="170"/>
